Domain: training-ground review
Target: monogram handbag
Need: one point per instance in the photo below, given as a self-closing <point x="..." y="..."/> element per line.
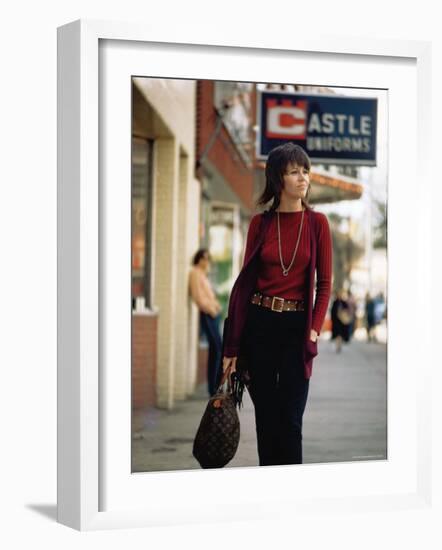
<point x="217" y="438"/>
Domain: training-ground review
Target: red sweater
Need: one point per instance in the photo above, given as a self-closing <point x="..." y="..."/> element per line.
<point x="271" y="281"/>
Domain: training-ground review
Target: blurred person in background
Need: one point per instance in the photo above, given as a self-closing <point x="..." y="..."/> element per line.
<point x="273" y="320"/>
<point x="379" y="307"/>
<point x="203" y="295"/>
<point x="370" y="317"/>
<point x="341" y="316"/>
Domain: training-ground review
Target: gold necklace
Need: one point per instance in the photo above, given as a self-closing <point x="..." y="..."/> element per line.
<point x="285" y="270"/>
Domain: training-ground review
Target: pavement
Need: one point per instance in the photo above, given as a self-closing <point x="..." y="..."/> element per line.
<point x="345" y="418"/>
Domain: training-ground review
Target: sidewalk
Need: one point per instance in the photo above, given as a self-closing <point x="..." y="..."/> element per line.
<point x="345" y="419"/>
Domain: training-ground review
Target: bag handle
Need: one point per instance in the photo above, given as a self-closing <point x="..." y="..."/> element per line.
<point x="223" y="380"/>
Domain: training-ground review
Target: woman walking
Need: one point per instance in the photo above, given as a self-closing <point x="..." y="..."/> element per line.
<point x="272" y="320"/>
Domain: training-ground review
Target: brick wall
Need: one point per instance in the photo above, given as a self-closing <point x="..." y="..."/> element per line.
<point x="144" y="360"/>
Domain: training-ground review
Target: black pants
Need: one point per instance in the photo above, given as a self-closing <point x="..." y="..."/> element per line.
<point x="210" y="326"/>
<point x="278" y="387"/>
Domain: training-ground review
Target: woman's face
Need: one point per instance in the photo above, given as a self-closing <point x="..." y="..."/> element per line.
<point x="296" y="182"/>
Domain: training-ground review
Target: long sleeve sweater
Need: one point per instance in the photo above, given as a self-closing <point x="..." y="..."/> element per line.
<point x="272" y="282"/>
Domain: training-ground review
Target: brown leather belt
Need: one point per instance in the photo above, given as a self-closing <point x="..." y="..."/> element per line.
<point x="277" y="304"/>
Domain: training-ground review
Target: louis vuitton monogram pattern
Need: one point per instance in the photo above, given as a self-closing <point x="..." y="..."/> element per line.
<point x="217" y="438"/>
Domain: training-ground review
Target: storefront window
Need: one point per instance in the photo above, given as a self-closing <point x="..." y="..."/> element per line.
<point x="142" y="150"/>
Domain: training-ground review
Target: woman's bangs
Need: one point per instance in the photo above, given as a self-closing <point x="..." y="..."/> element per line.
<point x="297" y="156"/>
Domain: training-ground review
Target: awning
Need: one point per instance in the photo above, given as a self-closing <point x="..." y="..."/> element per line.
<point x="325" y="189"/>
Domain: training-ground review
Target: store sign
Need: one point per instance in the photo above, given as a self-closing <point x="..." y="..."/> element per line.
<point x="332" y="129"/>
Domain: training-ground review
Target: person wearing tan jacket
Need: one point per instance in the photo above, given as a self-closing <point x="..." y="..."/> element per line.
<point x="203" y="295"/>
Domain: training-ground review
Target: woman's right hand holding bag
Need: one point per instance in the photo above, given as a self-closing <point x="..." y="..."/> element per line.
<point x="229" y="362"/>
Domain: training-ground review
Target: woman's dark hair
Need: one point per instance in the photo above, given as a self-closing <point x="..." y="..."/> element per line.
<point x="200" y="254"/>
<point x="278" y="160"/>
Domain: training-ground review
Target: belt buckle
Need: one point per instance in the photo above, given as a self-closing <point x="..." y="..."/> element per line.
<point x="273" y="303"/>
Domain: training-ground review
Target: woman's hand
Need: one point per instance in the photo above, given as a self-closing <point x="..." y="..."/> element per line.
<point x="313" y="335"/>
<point x="229" y="362"/>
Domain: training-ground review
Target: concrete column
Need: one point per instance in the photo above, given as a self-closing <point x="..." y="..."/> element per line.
<point x="166" y="182"/>
<point x="181" y="317"/>
<point x="193" y="241"/>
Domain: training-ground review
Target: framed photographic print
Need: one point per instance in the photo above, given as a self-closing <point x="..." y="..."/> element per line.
<point x="164" y="146"/>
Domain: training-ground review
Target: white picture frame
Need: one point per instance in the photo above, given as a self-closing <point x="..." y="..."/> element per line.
<point x="88" y="458"/>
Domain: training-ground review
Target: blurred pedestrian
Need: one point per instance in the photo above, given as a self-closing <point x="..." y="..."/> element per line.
<point x="205" y="298"/>
<point x="341" y="317"/>
<point x="370" y="316"/>
<point x="379" y="307"/>
<point x="273" y="323"/>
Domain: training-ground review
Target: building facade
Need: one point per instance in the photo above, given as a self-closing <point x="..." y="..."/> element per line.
<point x="225" y="157"/>
<point x="165" y="215"/>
